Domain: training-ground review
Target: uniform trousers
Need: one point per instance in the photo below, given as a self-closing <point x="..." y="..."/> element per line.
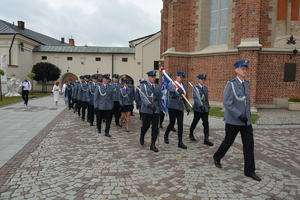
<point x="161" y="118"/>
<point x="91" y="113"/>
<point x="82" y="109"/>
<point x="116" y="112"/>
<point x="150" y="119"/>
<point x="104" y="115"/>
<point x="204" y="117"/>
<point x="173" y="116"/>
<point x="70" y="102"/>
<point x="231" y="132"/>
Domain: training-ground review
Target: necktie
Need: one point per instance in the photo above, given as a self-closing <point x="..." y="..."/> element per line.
<point x="243" y="83"/>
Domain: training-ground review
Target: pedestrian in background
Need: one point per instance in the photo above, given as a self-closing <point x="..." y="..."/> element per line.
<point x="26" y="87"/>
<point x="64" y="90"/>
<point x="56" y="90"/>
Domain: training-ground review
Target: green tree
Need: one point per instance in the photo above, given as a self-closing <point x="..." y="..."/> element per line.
<point x="45" y="72"/>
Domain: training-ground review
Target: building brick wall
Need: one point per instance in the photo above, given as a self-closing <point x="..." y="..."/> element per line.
<point x="270" y="82"/>
<point x="251" y="19"/>
<point x="179" y="25"/>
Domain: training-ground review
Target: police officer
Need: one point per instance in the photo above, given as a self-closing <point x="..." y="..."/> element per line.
<point x="103" y="104"/>
<point x="91" y="110"/>
<point x="150" y="94"/>
<point x="84" y="96"/>
<point x="138" y="100"/>
<point x="126" y="98"/>
<point x="131" y="85"/>
<point x="176" y="109"/>
<point x="238" y="119"/>
<point x="79" y="95"/>
<point x="68" y="94"/>
<point x="74" y="95"/>
<point x="116" y="87"/>
<point x="201" y="109"/>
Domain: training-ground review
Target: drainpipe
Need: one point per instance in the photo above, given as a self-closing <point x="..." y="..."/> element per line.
<point x="9" y="54"/>
<point x="112" y="64"/>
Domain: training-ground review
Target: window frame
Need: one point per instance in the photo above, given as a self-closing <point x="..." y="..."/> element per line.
<point x="218" y="26"/>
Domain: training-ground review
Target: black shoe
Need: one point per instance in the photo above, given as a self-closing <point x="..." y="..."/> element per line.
<point x="254" y="177"/>
<point x="117" y="124"/>
<point x="154" y="148"/>
<point x="209" y="143"/>
<point x="91" y="124"/>
<point x="107" y="135"/>
<point x="161" y="127"/>
<point x="217" y="163"/>
<point x="173" y="129"/>
<point x="192" y="138"/>
<point x="82" y="119"/>
<point x="142" y="141"/>
<point x="182" y="146"/>
<point x="166" y="139"/>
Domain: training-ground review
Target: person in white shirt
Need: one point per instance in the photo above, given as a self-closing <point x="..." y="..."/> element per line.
<point x="26" y="87"/>
<point x="56" y="90"/>
<point x="64" y="90"/>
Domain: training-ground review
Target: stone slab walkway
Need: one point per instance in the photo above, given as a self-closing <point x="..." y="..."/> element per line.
<point x="20" y="124"/>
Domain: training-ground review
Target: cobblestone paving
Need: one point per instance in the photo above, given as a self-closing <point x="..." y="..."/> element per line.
<point x="278" y="117"/>
<point x="73" y="162"/>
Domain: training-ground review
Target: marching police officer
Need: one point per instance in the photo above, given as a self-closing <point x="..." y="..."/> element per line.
<point x="126" y="98"/>
<point x="74" y="95"/>
<point x="150" y="94"/>
<point x="201" y="109"/>
<point x="238" y="119"/>
<point x="68" y="94"/>
<point x="79" y="94"/>
<point x="116" y="87"/>
<point x="91" y="110"/>
<point x="176" y="109"/>
<point x="103" y="104"/>
<point x="138" y="100"/>
<point x="84" y="95"/>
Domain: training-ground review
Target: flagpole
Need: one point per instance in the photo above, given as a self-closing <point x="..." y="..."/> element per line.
<point x="194" y="88"/>
<point x="176" y="85"/>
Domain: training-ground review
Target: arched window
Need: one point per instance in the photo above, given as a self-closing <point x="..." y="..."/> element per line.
<point x="219" y="13"/>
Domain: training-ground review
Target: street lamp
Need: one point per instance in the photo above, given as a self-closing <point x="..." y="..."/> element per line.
<point x="97" y="70"/>
<point x="68" y="69"/>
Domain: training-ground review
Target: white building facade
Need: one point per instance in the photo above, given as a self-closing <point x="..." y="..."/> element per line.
<point x="24" y="48"/>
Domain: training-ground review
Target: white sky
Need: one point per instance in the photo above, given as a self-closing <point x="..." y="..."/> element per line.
<point x="91" y="22"/>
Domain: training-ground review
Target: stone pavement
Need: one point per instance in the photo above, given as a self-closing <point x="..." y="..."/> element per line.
<point x="278" y="117"/>
<point x="68" y="160"/>
<point x="20" y="124"/>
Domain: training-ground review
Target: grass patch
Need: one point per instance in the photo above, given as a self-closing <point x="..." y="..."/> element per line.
<point x="294" y="100"/>
<point x="11" y="100"/>
<point x="217" y="112"/>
